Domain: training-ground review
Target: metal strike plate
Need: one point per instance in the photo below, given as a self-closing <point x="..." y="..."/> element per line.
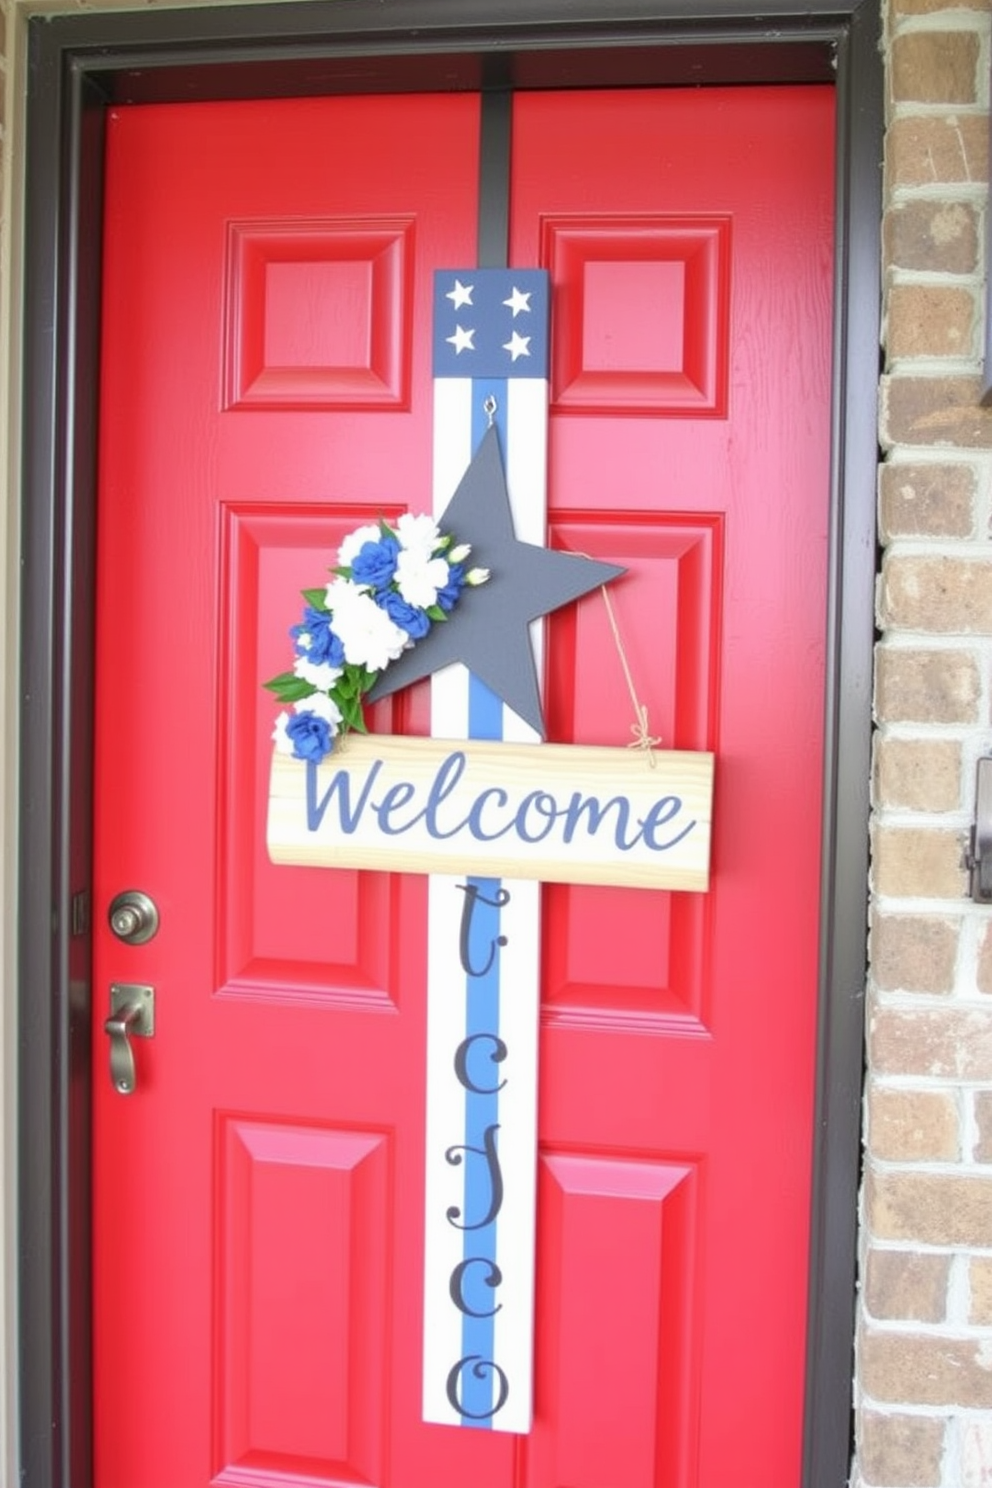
<point x="132" y="1011"/>
<point x="979" y="859"/>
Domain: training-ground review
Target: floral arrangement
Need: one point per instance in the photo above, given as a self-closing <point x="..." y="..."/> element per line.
<point x="390" y="585"/>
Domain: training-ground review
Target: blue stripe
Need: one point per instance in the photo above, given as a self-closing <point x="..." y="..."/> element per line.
<point x="485" y="721"/>
<point x="481" y="1112"/>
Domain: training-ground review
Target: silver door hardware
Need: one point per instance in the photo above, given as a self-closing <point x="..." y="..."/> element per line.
<point x="979" y="859"/>
<point x="132" y="1013"/>
<point x="133" y="917"/>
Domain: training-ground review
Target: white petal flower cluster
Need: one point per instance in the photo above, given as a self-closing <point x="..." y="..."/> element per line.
<point x="419" y="577"/>
<point x="370" y="639"/>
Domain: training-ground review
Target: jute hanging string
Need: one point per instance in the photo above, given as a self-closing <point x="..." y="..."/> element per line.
<point x="642" y="739"/>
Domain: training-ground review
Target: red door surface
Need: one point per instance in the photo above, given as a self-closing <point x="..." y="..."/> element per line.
<point x="266" y="387"/>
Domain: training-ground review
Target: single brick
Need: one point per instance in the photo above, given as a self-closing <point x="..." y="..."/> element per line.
<point x="918" y="774"/>
<point x="983" y="1121"/>
<point x="900" y="1451"/>
<point x="934" y="236"/>
<point x="976" y="1453"/>
<point x="912" y="1125"/>
<point x="935" y="411"/>
<point x="903" y="1285"/>
<point x="983" y="979"/>
<point x="980" y="1288"/>
<point x="942" y="1043"/>
<point x="949" y="596"/>
<point x="921" y="150"/>
<point x="934" y="67"/>
<point x="931" y="321"/>
<point x="926" y="686"/>
<point x="913" y="953"/>
<point x="930" y="1209"/>
<point x="926" y="1369"/>
<point x="927" y="500"/>
<point x="916" y="862"/>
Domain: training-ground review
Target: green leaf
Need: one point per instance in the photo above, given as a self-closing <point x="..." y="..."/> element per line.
<point x="316" y="598"/>
<point x="435" y="612"/>
<point x="290" y="689"/>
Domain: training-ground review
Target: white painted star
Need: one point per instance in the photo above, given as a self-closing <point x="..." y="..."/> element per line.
<point x="517" y="346"/>
<point x="460" y="295"/>
<point x="519" y="300"/>
<point x="462" y="339"/>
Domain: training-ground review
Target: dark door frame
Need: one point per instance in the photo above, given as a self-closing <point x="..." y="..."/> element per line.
<point x="78" y="66"/>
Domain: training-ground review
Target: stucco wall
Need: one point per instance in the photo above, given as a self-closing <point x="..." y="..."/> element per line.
<point x="924" y="1383"/>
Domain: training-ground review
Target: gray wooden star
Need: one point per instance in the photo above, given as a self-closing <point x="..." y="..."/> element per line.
<point x="488" y="629"/>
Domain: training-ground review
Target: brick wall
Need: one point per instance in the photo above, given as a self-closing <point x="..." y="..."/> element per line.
<point x="924" y="1386"/>
<point x="924" y="1378"/>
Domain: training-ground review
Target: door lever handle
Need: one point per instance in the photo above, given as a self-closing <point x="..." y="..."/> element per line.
<point x="132" y="1013"/>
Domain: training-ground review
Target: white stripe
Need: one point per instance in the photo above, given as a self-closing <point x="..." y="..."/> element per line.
<point x="443" y="1243"/>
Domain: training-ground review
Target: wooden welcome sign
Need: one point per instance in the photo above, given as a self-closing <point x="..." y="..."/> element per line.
<point x="557" y="813"/>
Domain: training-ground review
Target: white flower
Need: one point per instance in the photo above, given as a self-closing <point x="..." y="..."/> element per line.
<point x="419" y="577"/>
<point x="477" y="576"/>
<point x="319" y="674"/>
<point x="418" y="533"/>
<point x="355" y="541"/>
<point x="282" y="741"/>
<point x="323" y="706"/>
<point x="370" y="639"/>
<point x="459" y="554"/>
<point x="340" y="594"/>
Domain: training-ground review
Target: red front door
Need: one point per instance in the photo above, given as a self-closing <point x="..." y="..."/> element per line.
<point x="266" y="388"/>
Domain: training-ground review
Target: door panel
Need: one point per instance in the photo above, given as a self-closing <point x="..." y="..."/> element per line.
<point x="265" y="388"/>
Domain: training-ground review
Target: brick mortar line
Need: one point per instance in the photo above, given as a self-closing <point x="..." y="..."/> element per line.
<point x="906" y="819"/>
<point x="922" y="1084"/>
<point x="909" y="1328"/>
<point x="905" y="1327"/>
<point x="887" y="1168"/>
<point x="898" y="640"/>
<point x="941" y="1252"/>
<point x="948" y="1413"/>
<point x="960" y="368"/>
<point x="973" y="549"/>
<point x="903" y="455"/>
<point x="928" y="1002"/>
<point x="909" y="731"/>
<point x="926" y="905"/>
<point x="934" y="22"/>
<point x="937" y="191"/>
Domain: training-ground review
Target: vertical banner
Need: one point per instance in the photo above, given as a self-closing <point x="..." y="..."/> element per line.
<point x="490" y="368"/>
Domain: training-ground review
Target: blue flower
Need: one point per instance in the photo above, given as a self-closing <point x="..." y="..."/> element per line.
<point x="408" y="617"/>
<point x="447" y="597"/>
<point x="316" y="640"/>
<point x="311" y="736"/>
<point x="375" y="563"/>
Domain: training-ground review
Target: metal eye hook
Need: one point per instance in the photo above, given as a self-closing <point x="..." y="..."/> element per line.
<point x="489" y="408"/>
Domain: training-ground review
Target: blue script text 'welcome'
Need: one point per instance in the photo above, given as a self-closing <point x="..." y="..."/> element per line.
<point x="492" y="813"/>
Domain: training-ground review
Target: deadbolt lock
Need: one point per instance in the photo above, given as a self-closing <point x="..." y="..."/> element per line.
<point x="133" y="917"/>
